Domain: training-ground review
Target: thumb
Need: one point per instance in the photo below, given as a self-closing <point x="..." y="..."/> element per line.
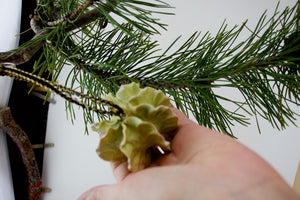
<point x="103" y="192"/>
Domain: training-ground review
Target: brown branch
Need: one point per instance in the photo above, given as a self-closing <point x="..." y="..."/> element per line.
<point x="85" y="19"/>
<point x="20" y="138"/>
<point x="72" y="16"/>
<point x="78" y="10"/>
<point x="18" y="57"/>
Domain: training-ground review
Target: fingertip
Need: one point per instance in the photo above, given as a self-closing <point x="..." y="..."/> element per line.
<point x="102" y="192"/>
<point x="120" y="170"/>
<point x="182" y="118"/>
<point x="88" y="195"/>
<point x="178" y="112"/>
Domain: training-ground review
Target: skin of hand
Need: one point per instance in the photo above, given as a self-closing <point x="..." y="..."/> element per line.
<point x="203" y="164"/>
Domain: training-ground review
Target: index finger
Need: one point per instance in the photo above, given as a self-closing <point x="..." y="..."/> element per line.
<point x="120" y="170"/>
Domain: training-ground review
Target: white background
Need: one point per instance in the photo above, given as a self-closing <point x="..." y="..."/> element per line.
<point x="10" y="12"/>
<point x="72" y="166"/>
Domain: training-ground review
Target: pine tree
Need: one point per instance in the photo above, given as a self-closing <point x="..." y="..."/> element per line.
<point x="108" y="43"/>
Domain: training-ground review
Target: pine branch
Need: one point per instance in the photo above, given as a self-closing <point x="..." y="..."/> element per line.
<point x="264" y="67"/>
<point x="25" y="52"/>
<point x="80" y="18"/>
<point x="255" y="66"/>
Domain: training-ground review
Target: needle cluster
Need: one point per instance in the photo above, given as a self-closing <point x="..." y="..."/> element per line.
<point x="108" y="43"/>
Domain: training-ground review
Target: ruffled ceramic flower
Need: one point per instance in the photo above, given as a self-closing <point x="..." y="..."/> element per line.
<point x="132" y="138"/>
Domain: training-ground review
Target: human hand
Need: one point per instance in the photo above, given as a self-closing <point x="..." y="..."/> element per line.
<point x="203" y="164"/>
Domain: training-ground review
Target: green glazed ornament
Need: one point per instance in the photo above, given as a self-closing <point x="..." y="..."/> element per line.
<point x="133" y="137"/>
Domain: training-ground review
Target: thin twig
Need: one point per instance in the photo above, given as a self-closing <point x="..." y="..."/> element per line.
<point x="20" y="138"/>
<point x="18" y="57"/>
<point x="78" y="10"/>
<point x="72" y="16"/>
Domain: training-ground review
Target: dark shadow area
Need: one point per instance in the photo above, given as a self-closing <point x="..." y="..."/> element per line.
<point x="29" y="112"/>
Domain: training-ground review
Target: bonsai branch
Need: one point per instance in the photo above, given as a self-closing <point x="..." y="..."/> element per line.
<point x="20" y="138"/>
<point x="20" y="56"/>
<point x="72" y="16"/>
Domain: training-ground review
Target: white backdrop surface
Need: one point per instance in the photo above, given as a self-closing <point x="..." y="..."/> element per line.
<point x="72" y="166"/>
<point x="10" y="14"/>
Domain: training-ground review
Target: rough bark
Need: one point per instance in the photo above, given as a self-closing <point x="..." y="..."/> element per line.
<point x="20" y="138"/>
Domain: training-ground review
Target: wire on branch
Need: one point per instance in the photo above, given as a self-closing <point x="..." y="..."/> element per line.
<point x="64" y="92"/>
